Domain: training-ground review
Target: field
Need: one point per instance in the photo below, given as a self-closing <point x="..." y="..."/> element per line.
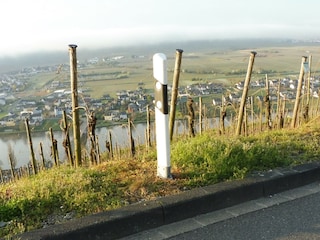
<point x="205" y="62"/>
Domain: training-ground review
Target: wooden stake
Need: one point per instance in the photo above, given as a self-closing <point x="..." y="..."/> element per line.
<point x="190" y="117"/>
<point x="54" y="148"/>
<point x="252" y="113"/>
<point x="317" y="104"/>
<point x="174" y="95"/>
<point x="92" y="121"/>
<point x="279" y="115"/>
<point x="131" y="140"/>
<point x="223" y="114"/>
<point x="12" y="163"/>
<point x="1" y="176"/>
<point x="42" y="157"/>
<point x="110" y="145"/>
<point x="268" y="105"/>
<point x="260" y="115"/>
<point x="148" y="137"/>
<point x="307" y="106"/>
<point x="245" y="93"/>
<point x="245" y="123"/>
<point x="33" y="159"/>
<point x="283" y="113"/>
<point x="205" y="117"/>
<point x="298" y="95"/>
<point x="200" y="116"/>
<point x="67" y="142"/>
<point x="97" y="150"/>
<point x="75" y="110"/>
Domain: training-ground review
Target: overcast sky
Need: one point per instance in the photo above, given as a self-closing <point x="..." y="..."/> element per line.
<point x="35" y="25"/>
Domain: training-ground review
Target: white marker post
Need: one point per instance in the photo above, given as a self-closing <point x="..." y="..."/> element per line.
<point x="161" y="115"/>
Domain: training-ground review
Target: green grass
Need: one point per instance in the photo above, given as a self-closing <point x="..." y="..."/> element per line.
<point x="29" y="202"/>
<point x="211" y="159"/>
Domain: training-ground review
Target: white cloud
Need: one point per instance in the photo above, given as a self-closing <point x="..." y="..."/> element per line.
<point x="53" y="39"/>
<point x="51" y="25"/>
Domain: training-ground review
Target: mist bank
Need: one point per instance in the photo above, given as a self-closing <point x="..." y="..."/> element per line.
<point x="45" y="58"/>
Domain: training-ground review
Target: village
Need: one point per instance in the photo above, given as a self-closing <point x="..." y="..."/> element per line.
<point x="127" y="103"/>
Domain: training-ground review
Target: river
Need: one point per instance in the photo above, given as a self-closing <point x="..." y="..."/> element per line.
<point x="19" y="142"/>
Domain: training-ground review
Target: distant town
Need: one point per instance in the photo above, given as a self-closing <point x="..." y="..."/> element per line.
<point x="14" y="109"/>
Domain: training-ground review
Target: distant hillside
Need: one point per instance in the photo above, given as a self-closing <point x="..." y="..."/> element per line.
<point x="8" y="64"/>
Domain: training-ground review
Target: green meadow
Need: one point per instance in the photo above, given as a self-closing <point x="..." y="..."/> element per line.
<point x="208" y="63"/>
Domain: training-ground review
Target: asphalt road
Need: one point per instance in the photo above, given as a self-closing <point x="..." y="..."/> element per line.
<point x="294" y="214"/>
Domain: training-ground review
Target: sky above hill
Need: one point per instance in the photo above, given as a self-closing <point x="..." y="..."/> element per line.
<point x="50" y="25"/>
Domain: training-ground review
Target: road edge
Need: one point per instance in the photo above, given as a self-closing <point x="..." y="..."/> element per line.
<point x="142" y="216"/>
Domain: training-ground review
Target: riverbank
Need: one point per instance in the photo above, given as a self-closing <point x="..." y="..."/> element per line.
<point x="119" y="131"/>
<point x="54" y="124"/>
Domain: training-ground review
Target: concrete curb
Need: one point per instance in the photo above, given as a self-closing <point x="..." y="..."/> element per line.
<point x="147" y="215"/>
